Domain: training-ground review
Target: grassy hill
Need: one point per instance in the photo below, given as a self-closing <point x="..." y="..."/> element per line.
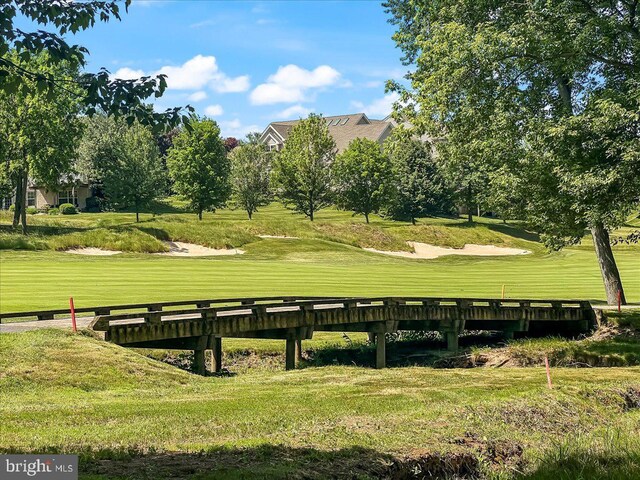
<point x="131" y="417"/>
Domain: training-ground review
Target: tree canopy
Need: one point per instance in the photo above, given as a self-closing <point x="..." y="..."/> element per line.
<point x="363" y="177"/>
<point x="250" y="177"/>
<point x="124" y="161"/>
<point x="302" y="169"/>
<point x="38" y="135"/>
<point x="543" y="97"/>
<point x="199" y="167"/>
<point x="97" y="92"/>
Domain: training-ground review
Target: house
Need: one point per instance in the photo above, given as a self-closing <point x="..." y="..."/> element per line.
<point x="343" y="129"/>
<point x="73" y="190"/>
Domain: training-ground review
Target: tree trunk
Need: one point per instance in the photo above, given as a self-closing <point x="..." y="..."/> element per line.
<point x="199" y="214"/>
<point x="17" y="204"/>
<point x="25" y="186"/>
<point x="469" y="204"/>
<point x="608" y="267"/>
<point x="366" y="217"/>
<point x="413" y="220"/>
<point x="137" y="216"/>
<point x="250" y="213"/>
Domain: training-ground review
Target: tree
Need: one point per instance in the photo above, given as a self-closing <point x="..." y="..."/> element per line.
<point x="38" y="134"/>
<point x="420" y="187"/>
<point x="230" y="143"/>
<point x="545" y="93"/>
<point x="199" y="167"/>
<point x="250" y="177"/>
<point x="364" y="177"/>
<point x="124" y="161"/>
<point x="302" y="170"/>
<point x="98" y="92"/>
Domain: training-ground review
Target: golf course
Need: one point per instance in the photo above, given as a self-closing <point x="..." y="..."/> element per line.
<point x="334" y="415"/>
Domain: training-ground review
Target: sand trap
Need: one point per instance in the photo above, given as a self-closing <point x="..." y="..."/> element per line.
<point x="92" y="251"/>
<point x="278" y="236"/>
<point x="426" y="251"/>
<point x="180" y="249"/>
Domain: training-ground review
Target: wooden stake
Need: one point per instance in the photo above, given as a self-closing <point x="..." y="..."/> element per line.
<point x="546" y="364"/>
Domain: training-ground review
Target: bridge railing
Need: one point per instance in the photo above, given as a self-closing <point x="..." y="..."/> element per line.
<point x="266" y="305"/>
<point x="149" y="307"/>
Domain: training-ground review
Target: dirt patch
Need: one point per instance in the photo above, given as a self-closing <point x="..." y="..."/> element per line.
<point x="92" y="251"/>
<point x="426" y="251"/>
<point x="181" y="249"/>
<point x="285" y="237"/>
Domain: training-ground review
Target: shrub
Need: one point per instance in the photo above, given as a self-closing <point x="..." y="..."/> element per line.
<point x="54" y="211"/>
<point x="32" y="210"/>
<point x="12" y="208"/>
<point x="45" y="208"/>
<point x="93" y="205"/>
<point x="67" y="209"/>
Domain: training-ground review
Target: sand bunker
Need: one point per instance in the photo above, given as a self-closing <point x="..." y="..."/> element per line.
<point x="278" y="236"/>
<point x="92" y="251"/>
<point x="426" y="251"/>
<point x="180" y="249"/>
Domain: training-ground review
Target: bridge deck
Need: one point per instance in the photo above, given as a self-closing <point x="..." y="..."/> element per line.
<point x="200" y="329"/>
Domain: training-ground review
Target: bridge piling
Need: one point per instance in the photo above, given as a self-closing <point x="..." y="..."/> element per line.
<point x="199" y="365"/>
<point x="381" y="353"/>
<point x="290" y="353"/>
<point x="298" y="349"/>
<point x="215" y="344"/>
<point x="452" y="341"/>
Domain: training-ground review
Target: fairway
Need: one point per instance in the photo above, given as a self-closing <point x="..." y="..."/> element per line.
<point x="46" y="280"/>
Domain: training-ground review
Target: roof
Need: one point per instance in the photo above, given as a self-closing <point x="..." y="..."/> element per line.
<point x="343" y="128"/>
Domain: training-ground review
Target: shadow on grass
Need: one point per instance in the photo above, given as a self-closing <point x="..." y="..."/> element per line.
<point x="43" y="230"/>
<point x="560" y="465"/>
<point x="277" y="462"/>
<point x="514" y="231"/>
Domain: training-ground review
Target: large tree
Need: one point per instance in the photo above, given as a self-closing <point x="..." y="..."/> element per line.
<point x="545" y="93"/>
<point x="250" y="177"/>
<point x="124" y="161"/>
<point x="38" y="134"/>
<point x="302" y="169"/>
<point x="363" y="177"/>
<point x="420" y="188"/>
<point x="98" y="92"/>
<point x="199" y="167"/>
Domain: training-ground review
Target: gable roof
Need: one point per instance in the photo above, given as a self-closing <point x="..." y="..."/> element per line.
<point x="343" y="129"/>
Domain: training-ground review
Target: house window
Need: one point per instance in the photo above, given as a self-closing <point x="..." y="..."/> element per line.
<point x="68" y="196"/>
<point x="31" y="198"/>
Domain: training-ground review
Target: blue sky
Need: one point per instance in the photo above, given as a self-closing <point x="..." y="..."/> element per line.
<point x="246" y="63"/>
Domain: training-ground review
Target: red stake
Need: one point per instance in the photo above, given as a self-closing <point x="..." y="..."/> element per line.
<point x="73" y="315"/>
<point x="546" y="364"/>
<point x="619" y="302"/>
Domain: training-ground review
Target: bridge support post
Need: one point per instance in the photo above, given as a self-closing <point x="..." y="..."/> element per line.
<point x="290" y="353"/>
<point x="199" y="365"/>
<point x="381" y="353"/>
<point x="452" y="341"/>
<point x="298" y="349"/>
<point x="215" y="344"/>
<point x="508" y="334"/>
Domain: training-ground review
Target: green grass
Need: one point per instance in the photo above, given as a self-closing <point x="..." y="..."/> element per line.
<point x="43" y="280"/>
<point x="231" y="228"/>
<point x="70" y="393"/>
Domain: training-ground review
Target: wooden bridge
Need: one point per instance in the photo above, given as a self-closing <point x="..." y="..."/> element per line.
<point x="293" y="320"/>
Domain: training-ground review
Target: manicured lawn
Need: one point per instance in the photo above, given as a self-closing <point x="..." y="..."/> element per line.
<point x="71" y="393"/>
<point x="41" y="280"/>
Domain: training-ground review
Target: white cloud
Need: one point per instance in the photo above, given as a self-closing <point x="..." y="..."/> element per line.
<point x="191" y="75"/>
<point x="197" y="96"/>
<point x="126" y="73"/>
<point x="380" y="107"/>
<point x="290" y="84"/>
<point x="195" y="74"/>
<point x="296" y="111"/>
<point x="225" y="84"/>
<point x="214" y="110"/>
<point x="235" y="128"/>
